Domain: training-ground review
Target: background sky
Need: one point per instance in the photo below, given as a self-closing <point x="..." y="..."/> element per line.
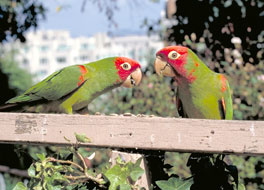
<point x="129" y="17"/>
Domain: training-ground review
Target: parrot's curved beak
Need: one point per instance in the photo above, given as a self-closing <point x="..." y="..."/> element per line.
<point x="133" y="79"/>
<point x="163" y="68"/>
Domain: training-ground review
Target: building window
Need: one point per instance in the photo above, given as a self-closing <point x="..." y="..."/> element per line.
<point x="44" y="48"/>
<point x="43" y="61"/>
<point x="63" y="47"/>
<point x="42" y="73"/>
<point x="84" y="46"/>
<point x="61" y="60"/>
<point x="26" y="49"/>
<point x="107" y="44"/>
<point x="132" y="53"/>
<point x="44" y="37"/>
<point x="84" y="57"/>
<point x="25" y="61"/>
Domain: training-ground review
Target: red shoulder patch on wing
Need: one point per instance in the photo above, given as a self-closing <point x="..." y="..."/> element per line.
<point x="83" y="71"/>
<point x="223" y="80"/>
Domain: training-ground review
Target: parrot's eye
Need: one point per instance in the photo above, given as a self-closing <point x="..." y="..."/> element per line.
<point x="126" y="66"/>
<point x="174" y="55"/>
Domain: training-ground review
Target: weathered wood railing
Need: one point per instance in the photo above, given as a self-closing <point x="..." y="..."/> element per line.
<point x="146" y="133"/>
<point x="171" y="134"/>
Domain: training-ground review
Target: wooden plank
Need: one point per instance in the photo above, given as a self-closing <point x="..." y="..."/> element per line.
<point x="171" y="134"/>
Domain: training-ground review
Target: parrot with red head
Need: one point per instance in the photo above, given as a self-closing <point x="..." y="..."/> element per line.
<point x="201" y="93"/>
<point x="72" y="88"/>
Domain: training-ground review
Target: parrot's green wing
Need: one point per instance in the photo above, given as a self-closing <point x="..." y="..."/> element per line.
<point x="225" y="104"/>
<point x="54" y="87"/>
<point x="179" y="106"/>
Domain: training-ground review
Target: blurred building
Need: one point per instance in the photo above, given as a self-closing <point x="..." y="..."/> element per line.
<point x="47" y="51"/>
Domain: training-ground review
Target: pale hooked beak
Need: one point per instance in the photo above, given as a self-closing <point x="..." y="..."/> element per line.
<point x="163" y="68"/>
<point x="133" y="79"/>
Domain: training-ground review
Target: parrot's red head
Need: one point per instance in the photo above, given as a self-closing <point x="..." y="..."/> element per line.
<point x="129" y="71"/>
<point x="174" y="55"/>
<point x="170" y="62"/>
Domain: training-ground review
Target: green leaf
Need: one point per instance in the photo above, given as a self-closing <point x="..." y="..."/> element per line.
<point x="241" y="187"/>
<point x="57" y="176"/>
<point x="20" y="186"/>
<point x="138" y="162"/>
<point x="42" y="157"/>
<point x="136" y="173"/>
<point x="120" y="161"/>
<point x="116" y="176"/>
<point x="52" y="187"/>
<point x="38" y="167"/>
<point x="119" y="174"/>
<point x="124" y="187"/>
<point x="84" y="152"/>
<point x="82" y="138"/>
<point x="233" y="172"/>
<point x="38" y="187"/>
<point x="32" y="171"/>
<point x="175" y="184"/>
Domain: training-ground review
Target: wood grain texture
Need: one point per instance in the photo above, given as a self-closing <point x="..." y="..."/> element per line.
<point x="171" y="134"/>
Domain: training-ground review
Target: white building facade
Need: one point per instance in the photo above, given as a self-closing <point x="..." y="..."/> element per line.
<point x="47" y="51"/>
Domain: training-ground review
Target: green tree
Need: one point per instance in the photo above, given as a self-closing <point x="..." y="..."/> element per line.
<point x="11" y="12"/>
<point x="14" y="80"/>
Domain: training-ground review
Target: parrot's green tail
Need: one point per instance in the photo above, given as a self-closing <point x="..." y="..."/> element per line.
<point x="19" y="99"/>
<point x="9" y="107"/>
<point x="15" y="104"/>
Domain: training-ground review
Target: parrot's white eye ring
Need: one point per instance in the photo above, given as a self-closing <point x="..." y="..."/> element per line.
<point x="126" y="66"/>
<point x="173" y="55"/>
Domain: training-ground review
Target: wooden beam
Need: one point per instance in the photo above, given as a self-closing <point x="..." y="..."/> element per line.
<point x="171" y="134"/>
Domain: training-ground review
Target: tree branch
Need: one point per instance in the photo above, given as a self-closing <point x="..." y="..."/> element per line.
<point x="16" y="172"/>
<point x="51" y="159"/>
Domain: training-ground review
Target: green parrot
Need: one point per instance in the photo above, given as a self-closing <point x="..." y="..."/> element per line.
<point x="201" y="93"/>
<point x="72" y="88"/>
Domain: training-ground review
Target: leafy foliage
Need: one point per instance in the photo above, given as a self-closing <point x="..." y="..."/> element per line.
<point x="14" y="80"/>
<point x="49" y="173"/>
<point x="123" y="174"/>
<point x="11" y="14"/>
<point x="82" y="138"/>
<point x="175" y="183"/>
<point x="210" y="171"/>
<point x="10" y="181"/>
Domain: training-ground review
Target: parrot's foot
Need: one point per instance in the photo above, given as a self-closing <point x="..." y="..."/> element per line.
<point x="66" y="108"/>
